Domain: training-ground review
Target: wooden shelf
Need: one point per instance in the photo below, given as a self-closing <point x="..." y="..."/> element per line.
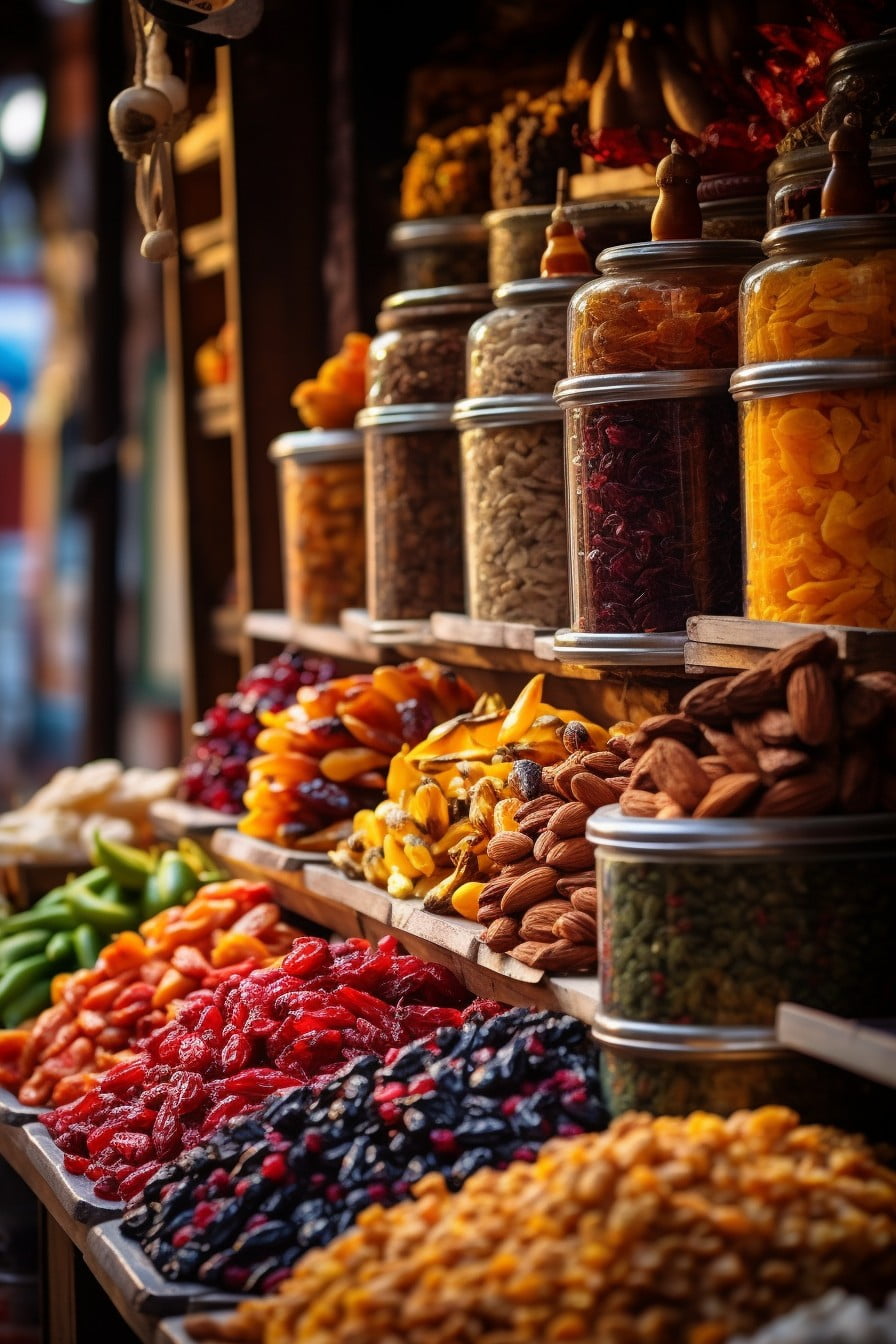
<point x="322" y="894"/>
<point x="217" y="410"/>
<point x="200" y="144"/>
<point x="207" y="246"/>
<point x="865" y="1048"/>
<point x="279" y="628"/>
<point x="718" y="644"/>
<point x="173" y="820"/>
<point x="227" y="625"/>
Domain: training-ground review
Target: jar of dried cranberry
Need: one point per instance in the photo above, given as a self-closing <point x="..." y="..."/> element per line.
<point x="660" y="305"/>
<point x="419" y="354"/>
<point x="653" y="505"/>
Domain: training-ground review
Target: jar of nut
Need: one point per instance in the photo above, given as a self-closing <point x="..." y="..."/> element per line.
<point x="514" y="509"/>
<point x="520" y="346"/>
<point x="321" y="485"/>
<point x="419" y="353"/>
<point x="451" y="250"/>
<point x="413" y="511"/>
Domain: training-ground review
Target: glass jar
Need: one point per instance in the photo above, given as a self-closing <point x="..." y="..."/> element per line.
<point x="733" y="205"/>
<point x="419" y="354"/>
<point x="516" y="240"/>
<point x="660" y="306"/>
<point x="520" y="346"/>
<point x="451" y="250"/>
<point x="514" y="509"/>
<point x="705" y="926"/>
<point x="610" y="223"/>
<point x="859" y="79"/>
<point x="413" y="511"/>
<point x="321" y="485"/>
<point x="652" y="499"/>
<point x="826" y="290"/>
<point x="818" y="442"/>
<point x="795" y="180"/>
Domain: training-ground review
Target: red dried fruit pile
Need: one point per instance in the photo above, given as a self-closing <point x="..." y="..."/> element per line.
<point x="230" y="1048"/>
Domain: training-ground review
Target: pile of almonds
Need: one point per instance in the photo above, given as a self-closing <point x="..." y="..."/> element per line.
<point x="798" y="735"/>
<point x="541" y="908"/>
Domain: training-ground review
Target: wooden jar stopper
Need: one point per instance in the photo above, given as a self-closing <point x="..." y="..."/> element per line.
<point x="564" y="254"/>
<point x="677" y="212"/>
<point x="849" y="186"/>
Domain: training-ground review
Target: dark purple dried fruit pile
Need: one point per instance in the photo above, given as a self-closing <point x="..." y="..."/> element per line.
<point x="238" y="1211"/>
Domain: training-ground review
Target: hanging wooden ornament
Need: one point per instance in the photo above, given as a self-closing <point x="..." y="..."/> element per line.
<point x="213" y="21"/>
<point x="145" y="120"/>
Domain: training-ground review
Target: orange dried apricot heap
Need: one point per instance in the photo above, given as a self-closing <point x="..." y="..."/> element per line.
<point x="838" y="308"/>
<point x="820" y="507"/>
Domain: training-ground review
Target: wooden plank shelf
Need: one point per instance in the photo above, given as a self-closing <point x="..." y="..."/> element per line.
<point x="36" y="1159"/>
<point x="207" y="247"/>
<point x="280" y="628"/>
<point x="455" y="628"/>
<point x="200" y="143"/>
<point x="719" y="644"/>
<point x="227" y="625"/>
<point x="865" y="1048"/>
<point x="217" y="410"/>
<point x="323" y="894"/>
<point x="14" y="1112"/>
<point x="173" y="820"/>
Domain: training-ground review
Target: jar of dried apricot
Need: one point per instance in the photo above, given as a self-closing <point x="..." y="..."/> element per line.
<point x="321" y="480"/>
<point x="827" y="290"/>
<point x="660" y="305"/>
<point x="818" y="457"/>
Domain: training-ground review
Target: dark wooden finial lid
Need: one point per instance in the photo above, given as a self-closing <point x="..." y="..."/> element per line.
<point x="564" y="254"/>
<point x="849" y="186"/>
<point x="677" y="212"/>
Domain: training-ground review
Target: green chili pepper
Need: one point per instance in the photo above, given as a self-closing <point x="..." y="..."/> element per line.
<point x="203" y="864"/>
<point x="87" y="945"/>
<point x="57" y="916"/>
<point x="60" y="948"/>
<point x="20" y="945"/>
<point x="29" y="1003"/>
<point x="107" y="916"/>
<point x="177" y="881"/>
<point x="23" y="974"/>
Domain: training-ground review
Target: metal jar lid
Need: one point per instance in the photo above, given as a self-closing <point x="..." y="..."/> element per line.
<point x="861" y="58"/>
<point x="318" y="445"/>
<point x="593" y="389"/>
<point x="868" y="232"/>
<point x="442" y="295"/>
<point x="584" y="213"/>
<point x="528" y="217"/>
<point x="680" y="252"/>
<point x="661" y="1040"/>
<point x="557" y="289"/>
<point x="449" y="229"/>
<point x="692" y="840"/>
<point x="816" y="159"/>
<point x="811" y="375"/>
<point x="406" y="417"/>
<point x="488" y="412"/>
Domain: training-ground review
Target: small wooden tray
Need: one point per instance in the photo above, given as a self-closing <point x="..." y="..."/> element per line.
<point x="130" y="1278"/>
<point x="865" y="1048"/>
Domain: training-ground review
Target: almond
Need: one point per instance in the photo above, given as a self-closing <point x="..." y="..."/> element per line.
<point x="731" y="749"/>
<point x="545" y="843"/>
<point x="592" y="790"/>
<point x="570" y="856"/>
<point x="670" y="812"/>
<point x="502" y="935"/>
<point x="817" y="648"/>
<point x="527" y="890"/>
<point x="496" y="887"/>
<point x="602" y="762"/>
<point x="533" y="816"/>
<point x="568" y="883"/>
<point x="779" y="762"/>
<point x="637" y="803"/>
<point x="714" y="766"/>
<point x="576" y="926"/>
<point x="618" y="783"/>
<point x="676" y="771"/>
<point x="564" y="777"/>
<point x="664" y="725"/>
<point x="509" y="847"/>
<point x="805" y="795"/>
<point x="488" y="911"/>
<point x="812" y="704"/>
<point x="708" y="702"/>
<point x="776" y="728"/>
<point x="726" y="795"/>
<point x="861" y="707"/>
<point x="559" y="957"/>
<point x="570" y="819"/>
<point x="747" y="734"/>
<point x="626" y="767"/>
<point x="585" y="899"/>
<point x="618" y="746"/>
<point x="753" y="691"/>
<point x="538" y="921"/>
<point x="884" y="683"/>
<point x="860" y="778"/>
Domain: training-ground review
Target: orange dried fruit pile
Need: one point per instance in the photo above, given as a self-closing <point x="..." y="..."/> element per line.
<point x="334" y="397"/>
<point x="820" y="508"/>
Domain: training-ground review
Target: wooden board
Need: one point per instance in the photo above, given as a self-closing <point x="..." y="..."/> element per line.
<point x="134" y="1283"/>
<point x="455" y="628"/>
<point x="172" y="820"/>
<point x="174" y="1330"/>
<point x="736" y="643"/>
<point x="24" y="883"/>
<point x="865" y="1048"/>
<point x="280" y="628"/>
<point x="15" y="1112"/>
<point x="70" y="1194"/>
<point x="261" y="853"/>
